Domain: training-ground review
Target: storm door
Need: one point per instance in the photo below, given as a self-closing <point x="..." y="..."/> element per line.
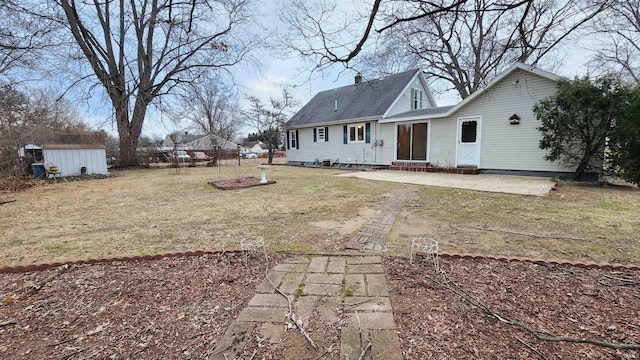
<point x="468" y="142"/>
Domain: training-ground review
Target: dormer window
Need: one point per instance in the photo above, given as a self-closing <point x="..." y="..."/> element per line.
<point x="416" y="99"/>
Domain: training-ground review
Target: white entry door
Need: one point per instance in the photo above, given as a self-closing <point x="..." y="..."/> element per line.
<point x="468" y="151"/>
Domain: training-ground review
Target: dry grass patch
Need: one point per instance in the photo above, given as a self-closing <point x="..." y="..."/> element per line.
<point x="150" y="211"/>
<point x="158" y="210"/>
<point x="574" y="222"/>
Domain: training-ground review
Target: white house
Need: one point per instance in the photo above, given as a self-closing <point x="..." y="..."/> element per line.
<point x="257" y="147"/>
<point x="394" y="122"/>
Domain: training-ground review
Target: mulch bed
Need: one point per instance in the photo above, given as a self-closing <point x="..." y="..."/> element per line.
<point x="241" y="183"/>
<point x="435" y="323"/>
<point x="180" y="307"/>
<point x="175" y="307"/>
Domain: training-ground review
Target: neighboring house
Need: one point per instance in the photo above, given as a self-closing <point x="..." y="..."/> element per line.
<point x="257" y="147"/>
<point x="394" y="122"/>
<point x="190" y="142"/>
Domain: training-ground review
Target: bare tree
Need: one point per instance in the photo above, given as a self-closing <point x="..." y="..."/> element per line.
<point x="269" y="119"/>
<point x="619" y="45"/>
<point x="467" y="47"/>
<point x="23" y="34"/>
<point x="387" y="60"/>
<point x="140" y="51"/>
<point x="212" y="106"/>
<point x="463" y="43"/>
<point x="33" y="119"/>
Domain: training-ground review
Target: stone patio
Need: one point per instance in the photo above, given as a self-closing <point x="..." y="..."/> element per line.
<point x="349" y="292"/>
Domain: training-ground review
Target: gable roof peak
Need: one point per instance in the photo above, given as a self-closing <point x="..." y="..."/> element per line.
<point x="367" y="99"/>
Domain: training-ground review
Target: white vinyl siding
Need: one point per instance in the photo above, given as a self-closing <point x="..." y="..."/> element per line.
<point x="351" y="153"/>
<point x="442" y="142"/>
<point x="405" y="101"/>
<point x="503" y="146"/>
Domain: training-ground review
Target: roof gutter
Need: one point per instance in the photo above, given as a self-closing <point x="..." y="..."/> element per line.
<point x="336" y="122"/>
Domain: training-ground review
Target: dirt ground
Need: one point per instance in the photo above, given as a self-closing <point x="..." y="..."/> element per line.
<point x="179" y="308"/>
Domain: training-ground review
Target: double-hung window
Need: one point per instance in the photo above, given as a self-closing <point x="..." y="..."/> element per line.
<point x="356" y="133"/>
<point x="321" y="134"/>
<point x="416" y="99"/>
<point x="293" y="140"/>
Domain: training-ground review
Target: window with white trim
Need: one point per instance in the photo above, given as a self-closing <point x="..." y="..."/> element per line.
<point x="320" y="134"/>
<point x="292" y="139"/>
<point x="356" y="133"/>
<point x="416" y="99"/>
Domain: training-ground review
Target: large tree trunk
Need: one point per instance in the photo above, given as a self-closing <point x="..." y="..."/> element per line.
<point x="128" y="146"/>
<point x="129" y="130"/>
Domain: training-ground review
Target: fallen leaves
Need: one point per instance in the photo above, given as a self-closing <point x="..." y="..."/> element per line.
<point x="137" y="309"/>
<point x="437" y="323"/>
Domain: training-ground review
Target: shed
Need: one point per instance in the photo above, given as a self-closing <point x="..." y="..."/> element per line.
<point x="70" y="159"/>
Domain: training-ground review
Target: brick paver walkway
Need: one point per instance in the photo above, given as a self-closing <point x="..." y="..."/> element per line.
<point x="372" y="237"/>
<point x="347" y="292"/>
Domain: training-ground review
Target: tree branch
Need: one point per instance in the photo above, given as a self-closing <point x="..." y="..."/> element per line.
<point x="454" y="288"/>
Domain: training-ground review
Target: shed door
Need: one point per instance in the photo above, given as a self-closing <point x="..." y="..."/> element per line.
<point x="468" y="151"/>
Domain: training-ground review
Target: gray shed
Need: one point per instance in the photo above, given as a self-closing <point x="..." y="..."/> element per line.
<point x="70" y="159"/>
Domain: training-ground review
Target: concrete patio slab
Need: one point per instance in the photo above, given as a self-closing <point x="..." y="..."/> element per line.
<point x="263" y="314"/>
<point x="291" y="282"/>
<point x="372" y="320"/>
<point x="269" y="300"/>
<point x="233" y="340"/>
<point x="377" y="285"/>
<point x="509" y="184"/>
<point x="355" y="283"/>
<point x="361" y="303"/>
<point x="318" y="264"/>
<point x="336" y="265"/>
<point x="359" y="260"/>
<point x="290" y="267"/>
<point x="323" y="289"/>
<point x="266" y="286"/>
<point x="318" y="278"/>
<point x="365" y="268"/>
<point x="385" y="345"/>
<point x="272" y="332"/>
<point x="305" y="305"/>
<point x="350" y="343"/>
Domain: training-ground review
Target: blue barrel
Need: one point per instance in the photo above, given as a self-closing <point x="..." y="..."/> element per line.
<point x="38" y="170"/>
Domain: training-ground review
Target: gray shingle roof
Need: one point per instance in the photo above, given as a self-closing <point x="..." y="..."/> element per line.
<point x="367" y="99"/>
<point x="187" y="138"/>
